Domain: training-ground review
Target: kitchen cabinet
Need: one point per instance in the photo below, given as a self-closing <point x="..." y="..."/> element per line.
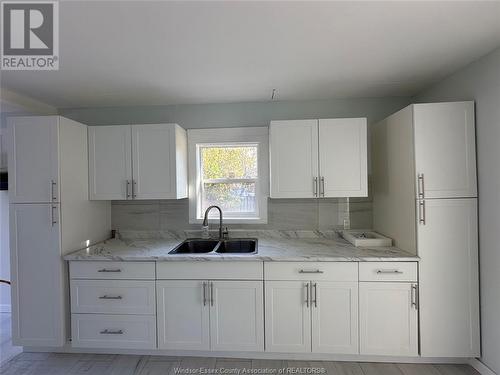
<point x="50" y="216"/>
<point x="137" y="162"/>
<point x="388" y="318"/>
<point x="318" y="158"/>
<point x="445" y="150"/>
<point x="311" y="307"/>
<point x="210" y="315"/>
<point x="34" y="159"/>
<point x="183" y="315"/>
<point x="37" y="277"/>
<point x="449" y="278"/>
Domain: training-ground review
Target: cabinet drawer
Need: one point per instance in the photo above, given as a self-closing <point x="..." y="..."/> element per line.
<point x="113" y="331"/>
<point x="112" y="270"/>
<point x="332" y="271"/>
<point x="388" y="271"/>
<point x="113" y="296"/>
<point x="247" y="270"/>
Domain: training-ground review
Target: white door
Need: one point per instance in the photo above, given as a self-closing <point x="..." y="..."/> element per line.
<point x="110" y="162"/>
<point x="388" y="318"/>
<point x="334" y="307"/>
<point x="445" y="150"/>
<point x="237" y="316"/>
<point x="287" y="316"/>
<point x="153" y="161"/>
<point x="343" y="157"/>
<point x="37" y="277"/>
<point x="449" y="281"/>
<point x="183" y="314"/>
<point x="34" y="159"/>
<point x="294" y="158"/>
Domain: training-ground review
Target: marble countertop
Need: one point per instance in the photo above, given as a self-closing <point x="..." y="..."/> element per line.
<point x="321" y="246"/>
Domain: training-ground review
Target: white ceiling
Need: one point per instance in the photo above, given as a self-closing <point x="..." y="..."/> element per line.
<point x="154" y="53"/>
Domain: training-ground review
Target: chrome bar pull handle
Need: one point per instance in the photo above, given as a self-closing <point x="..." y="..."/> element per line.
<point x="111" y="332"/>
<point x="306" y="286"/>
<point x="134" y="188"/>
<point x="204" y="293"/>
<point x="315" y="286"/>
<point x="109" y="270"/>
<point x="322" y="190"/>
<point x="127" y="189"/>
<point x="310" y="271"/>
<point x="110" y="297"/>
<point x="211" y="293"/>
<point x="420" y="186"/>
<point x="53" y="189"/>
<point x="315" y="186"/>
<point x="53" y="215"/>
<point x="421" y="212"/>
<point x="414" y="296"/>
<point x="389" y="271"/>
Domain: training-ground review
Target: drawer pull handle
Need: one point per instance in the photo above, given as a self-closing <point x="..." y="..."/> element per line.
<point x="310" y="271"/>
<point x="108" y="270"/>
<point x="389" y="271"/>
<point x="110" y="297"/>
<point x="109" y="332"/>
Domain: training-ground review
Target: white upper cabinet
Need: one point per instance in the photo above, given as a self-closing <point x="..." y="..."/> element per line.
<point x="110" y="166"/>
<point x="445" y="150"/>
<point x="137" y="162"/>
<point x="388" y="318"/>
<point x="294" y="158"/>
<point x="343" y="157"/>
<point x="34" y="159"/>
<point x="449" y="280"/>
<point x="318" y="158"/>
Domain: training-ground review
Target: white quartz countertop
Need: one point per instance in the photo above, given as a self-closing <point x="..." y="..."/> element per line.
<point x="321" y="246"/>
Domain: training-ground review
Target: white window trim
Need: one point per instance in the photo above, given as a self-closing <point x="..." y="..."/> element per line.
<point x="258" y="135"/>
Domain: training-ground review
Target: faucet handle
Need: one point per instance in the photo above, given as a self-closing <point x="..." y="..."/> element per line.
<point x="225" y="234"/>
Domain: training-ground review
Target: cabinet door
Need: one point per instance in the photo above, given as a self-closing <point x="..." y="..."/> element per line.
<point x="445" y="149"/>
<point x="334" y="308"/>
<point x="288" y="317"/>
<point x="34" y="159"/>
<point x="153" y="161"/>
<point x="388" y="318"/>
<point x="343" y="157"/>
<point x="237" y="316"/>
<point x="110" y="163"/>
<point x="294" y="158"/>
<point x="449" y="280"/>
<point x="182" y="315"/>
<point x="37" y="276"/>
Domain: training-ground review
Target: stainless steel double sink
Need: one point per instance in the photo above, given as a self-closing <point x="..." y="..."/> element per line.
<point x="208" y="246"/>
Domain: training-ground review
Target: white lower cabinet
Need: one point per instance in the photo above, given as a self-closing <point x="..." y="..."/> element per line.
<point x="316" y="316"/>
<point x="210" y="315"/>
<point x="113" y="331"/>
<point x="388" y="318"/>
<point x="183" y="315"/>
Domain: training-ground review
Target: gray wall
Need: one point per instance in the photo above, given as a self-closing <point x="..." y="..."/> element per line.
<point x="283" y="214"/>
<point x="480" y="82"/>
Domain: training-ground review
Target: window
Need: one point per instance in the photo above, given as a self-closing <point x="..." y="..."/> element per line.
<point x="230" y="173"/>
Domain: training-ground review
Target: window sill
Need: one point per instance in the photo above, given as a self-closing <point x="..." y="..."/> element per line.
<point x="230" y="220"/>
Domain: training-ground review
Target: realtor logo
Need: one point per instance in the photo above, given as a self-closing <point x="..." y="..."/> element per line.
<point x="30" y="35"/>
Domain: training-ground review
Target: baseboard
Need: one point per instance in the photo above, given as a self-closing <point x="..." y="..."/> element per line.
<point x="252" y="355"/>
<point x="4" y="308"/>
<point x="481" y="367"/>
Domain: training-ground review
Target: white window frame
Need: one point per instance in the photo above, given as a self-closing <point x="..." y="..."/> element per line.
<point x="219" y="137"/>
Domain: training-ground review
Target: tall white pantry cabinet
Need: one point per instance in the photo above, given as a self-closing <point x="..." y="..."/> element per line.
<point x="425" y="198"/>
<point x="50" y="215"/>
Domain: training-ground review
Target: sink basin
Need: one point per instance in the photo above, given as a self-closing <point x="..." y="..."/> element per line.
<point x="237" y="246"/>
<point x="195" y="246"/>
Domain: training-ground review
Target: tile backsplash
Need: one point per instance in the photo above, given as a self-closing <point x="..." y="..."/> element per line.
<point x="283" y="214"/>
